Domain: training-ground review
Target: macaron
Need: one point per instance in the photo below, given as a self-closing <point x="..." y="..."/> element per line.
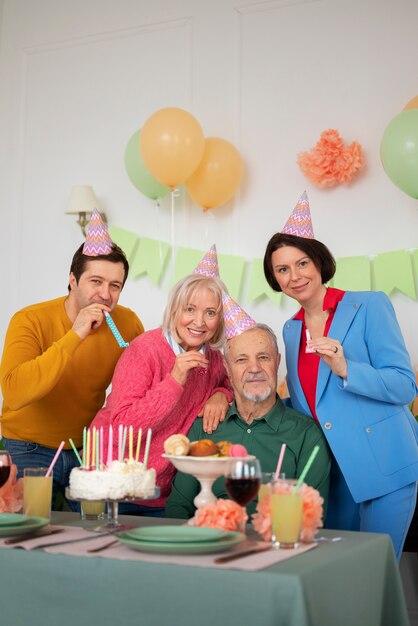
<point x="238" y="449"/>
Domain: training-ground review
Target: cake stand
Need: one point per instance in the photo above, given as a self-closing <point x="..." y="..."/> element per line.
<point x="113" y="505"/>
<point x="206" y="469"/>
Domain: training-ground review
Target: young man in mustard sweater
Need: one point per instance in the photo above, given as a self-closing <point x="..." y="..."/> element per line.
<point x="58" y="361"/>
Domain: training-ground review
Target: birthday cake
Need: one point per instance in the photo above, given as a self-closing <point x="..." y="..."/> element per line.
<point x="119" y="480"/>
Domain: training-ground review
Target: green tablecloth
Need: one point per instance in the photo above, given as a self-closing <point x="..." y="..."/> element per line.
<point x="354" y="582"/>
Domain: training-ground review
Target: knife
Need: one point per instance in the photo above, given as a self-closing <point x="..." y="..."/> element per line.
<point x="240" y="555"/>
<point x="35" y="535"/>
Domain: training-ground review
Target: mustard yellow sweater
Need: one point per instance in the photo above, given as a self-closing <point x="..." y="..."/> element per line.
<point x="52" y="382"/>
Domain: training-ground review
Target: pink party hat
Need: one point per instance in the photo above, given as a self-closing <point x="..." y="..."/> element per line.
<point x="236" y="319"/>
<point x="97" y="240"/>
<point x="299" y="223"/>
<point x="208" y="266"/>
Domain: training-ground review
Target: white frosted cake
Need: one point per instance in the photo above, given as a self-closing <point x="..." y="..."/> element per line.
<point x="120" y="480"/>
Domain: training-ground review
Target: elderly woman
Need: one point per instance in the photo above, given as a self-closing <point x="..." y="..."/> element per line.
<point x="347" y="367"/>
<point x="170" y="375"/>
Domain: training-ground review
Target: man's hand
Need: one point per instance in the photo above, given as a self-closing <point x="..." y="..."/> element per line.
<point x="88" y="319"/>
<point x="214" y="411"/>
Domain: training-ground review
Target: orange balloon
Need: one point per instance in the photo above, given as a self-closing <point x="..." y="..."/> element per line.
<point x="412" y="104"/>
<point x="218" y="175"/>
<point x="172" y="145"/>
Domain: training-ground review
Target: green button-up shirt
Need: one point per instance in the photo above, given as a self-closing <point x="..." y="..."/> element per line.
<point x="263" y="438"/>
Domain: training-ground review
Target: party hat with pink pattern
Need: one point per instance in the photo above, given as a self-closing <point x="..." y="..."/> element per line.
<point x="98" y="240"/>
<point x="208" y="266"/>
<point x="236" y="319"/>
<point x="299" y="223"/>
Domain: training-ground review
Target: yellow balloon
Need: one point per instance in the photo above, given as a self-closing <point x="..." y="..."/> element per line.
<point x="172" y="145"/>
<point x="218" y="175"/>
<point x="412" y="104"/>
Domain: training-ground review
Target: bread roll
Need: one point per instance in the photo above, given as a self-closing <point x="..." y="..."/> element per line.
<point x="203" y="447"/>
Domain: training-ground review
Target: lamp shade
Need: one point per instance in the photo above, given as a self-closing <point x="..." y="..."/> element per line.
<point x="82" y="200"/>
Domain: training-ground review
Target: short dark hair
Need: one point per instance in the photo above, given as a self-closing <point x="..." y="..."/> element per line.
<point x="80" y="260"/>
<point x="314" y="249"/>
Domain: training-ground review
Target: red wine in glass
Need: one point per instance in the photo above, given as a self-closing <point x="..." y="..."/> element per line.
<point x="242" y="490"/>
<point x="5" y="465"/>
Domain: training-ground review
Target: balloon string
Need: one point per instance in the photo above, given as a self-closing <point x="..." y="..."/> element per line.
<point x="172" y="230"/>
<point x="157" y="219"/>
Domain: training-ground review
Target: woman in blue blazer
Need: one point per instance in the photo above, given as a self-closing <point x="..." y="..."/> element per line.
<point x="348" y="367"/>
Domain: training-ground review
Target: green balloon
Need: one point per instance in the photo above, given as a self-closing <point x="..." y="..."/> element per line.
<point x="139" y="174"/>
<point x="399" y="151"/>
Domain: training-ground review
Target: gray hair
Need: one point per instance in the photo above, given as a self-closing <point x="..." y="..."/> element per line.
<point x="179" y="297"/>
<point x="263" y="327"/>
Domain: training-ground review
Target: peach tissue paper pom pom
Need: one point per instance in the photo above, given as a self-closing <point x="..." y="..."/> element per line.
<point x="312" y="512"/>
<point x="223" y="514"/>
<point x="11" y="494"/>
<point x="331" y="162"/>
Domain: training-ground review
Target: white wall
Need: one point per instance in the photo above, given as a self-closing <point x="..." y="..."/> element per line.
<point x="78" y="79"/>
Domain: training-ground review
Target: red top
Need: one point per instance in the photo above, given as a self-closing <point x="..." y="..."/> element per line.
<point x="308" y="363"/>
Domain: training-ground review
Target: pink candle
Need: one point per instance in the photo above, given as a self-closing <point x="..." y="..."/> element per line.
<point x="120" y="437"/>
<point x="101" y="442"/>
<point x="110" y="446"/>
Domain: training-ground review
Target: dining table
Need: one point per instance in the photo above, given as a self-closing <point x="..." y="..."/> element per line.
<point x="344" y="579"/>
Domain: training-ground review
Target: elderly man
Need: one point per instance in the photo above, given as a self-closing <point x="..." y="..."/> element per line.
<point x="58" y="361"/>
<point x="259" y="420"/>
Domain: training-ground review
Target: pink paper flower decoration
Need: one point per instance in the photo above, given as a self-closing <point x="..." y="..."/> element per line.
<point x="311" y="514"/>
<point x="223" y="514"/>
<point x="11" y="493"/>
<point x="331" y="162"/>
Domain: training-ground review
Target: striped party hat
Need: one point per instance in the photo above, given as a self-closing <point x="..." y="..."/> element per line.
<point x="208" y="266"/>
<point x="97" y="240"/>
<point x="236" y="319"/>
<point x="299" y="223"/>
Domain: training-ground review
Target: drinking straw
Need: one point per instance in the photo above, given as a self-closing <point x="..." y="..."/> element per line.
<point x="280" y="461"/>
<point x="75" y="451"/>
<point x="306" y="469"/>
<point x="147" y="447"/>
<point x="138" y="445"/>
<point x="110" y="446"/>
<point x="125" y="432"/>
<point x="54" y="460"/>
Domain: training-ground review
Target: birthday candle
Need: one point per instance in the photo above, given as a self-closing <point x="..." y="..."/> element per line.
<point x="147" y="447"/>
<point x="110" y="446"/>
<point x="125" y="432"/>
<point x="101" y="447"/>
<point x="93" y="447"/>
<point x="96" y="443"/>
<point x="138" y="444"/>
<point x="88" y="449"/>
<point x="84" y="445"/>
<point x="120" y="435"/>
<point x="131" y="443"/>
<point x="116" y="333"/>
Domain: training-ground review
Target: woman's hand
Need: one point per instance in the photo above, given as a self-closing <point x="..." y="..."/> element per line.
<point x="185" y="362"/>
<point x="332" y="353"/>
<point x="214" y="411"/>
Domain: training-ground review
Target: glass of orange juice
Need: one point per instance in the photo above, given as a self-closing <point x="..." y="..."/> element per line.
<point x="37" y="492"/>
<point x="286" y="513"/>
<point x="92" y="509"/>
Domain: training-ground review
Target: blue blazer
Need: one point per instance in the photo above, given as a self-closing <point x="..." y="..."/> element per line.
<point x="365" y="419"/>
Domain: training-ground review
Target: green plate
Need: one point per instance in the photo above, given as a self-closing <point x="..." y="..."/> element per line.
<point x="11" y="519"/>
<point x="165" y="547"/>
<point x="176" y="534"/>
<point x="31" y="524"/>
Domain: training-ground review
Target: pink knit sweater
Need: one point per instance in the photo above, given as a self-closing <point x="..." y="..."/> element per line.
<point x="145" y="395"/>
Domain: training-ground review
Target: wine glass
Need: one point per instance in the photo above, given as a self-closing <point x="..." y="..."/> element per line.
<point x="242" y="480"/>
<point x="5" y="465"/>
